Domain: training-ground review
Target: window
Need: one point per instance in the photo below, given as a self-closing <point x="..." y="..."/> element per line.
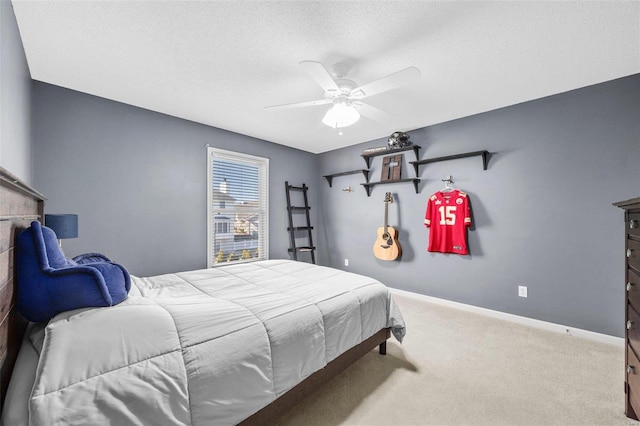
<point x="238" y="223"/>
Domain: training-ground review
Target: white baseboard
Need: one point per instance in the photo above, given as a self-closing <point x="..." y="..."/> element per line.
<point x="557" y="328"/>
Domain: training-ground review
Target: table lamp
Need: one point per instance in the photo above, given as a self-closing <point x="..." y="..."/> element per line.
<point x="64" y="225"/>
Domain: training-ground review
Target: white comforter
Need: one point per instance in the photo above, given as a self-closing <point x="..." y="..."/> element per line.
<point x="206" y="347"/>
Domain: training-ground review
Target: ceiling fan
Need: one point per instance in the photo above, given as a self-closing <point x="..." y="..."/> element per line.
<point x="346" y="96"/>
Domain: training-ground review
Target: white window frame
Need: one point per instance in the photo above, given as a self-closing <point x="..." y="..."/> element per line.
<point x="263" y="185"/>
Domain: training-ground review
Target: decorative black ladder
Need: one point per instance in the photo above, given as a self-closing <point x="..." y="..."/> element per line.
<point x="292" y="229"/>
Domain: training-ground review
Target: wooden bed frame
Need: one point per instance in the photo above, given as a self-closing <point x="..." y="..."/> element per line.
<point x="21" y="204"/>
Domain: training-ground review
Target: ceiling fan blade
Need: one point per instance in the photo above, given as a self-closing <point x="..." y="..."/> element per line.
<point x="320" y="75"/>
<point x="372" y="112"/>
<point x="392" y="81"/>
<point x="299" y="104"/>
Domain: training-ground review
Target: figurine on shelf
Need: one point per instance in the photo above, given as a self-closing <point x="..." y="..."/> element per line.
<point x="399" y="140"/>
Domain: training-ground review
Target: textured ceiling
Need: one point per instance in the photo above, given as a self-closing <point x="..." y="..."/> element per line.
<point x="221" y="62"/>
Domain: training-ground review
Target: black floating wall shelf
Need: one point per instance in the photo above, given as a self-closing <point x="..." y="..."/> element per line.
<point x="369" y="185"/>
<point x="416" y="165"/>
<point x="367" y="157"/>
<point x="484" y="154"/>
<point x="329" y="178"/>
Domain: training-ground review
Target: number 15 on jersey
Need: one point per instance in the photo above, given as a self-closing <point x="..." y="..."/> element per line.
<point x="447" y="215"/>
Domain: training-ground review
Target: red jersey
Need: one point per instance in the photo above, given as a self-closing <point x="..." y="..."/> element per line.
<point x="448" y="217"/>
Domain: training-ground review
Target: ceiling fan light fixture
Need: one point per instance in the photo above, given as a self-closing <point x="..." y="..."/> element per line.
<point x="341" y="115"/>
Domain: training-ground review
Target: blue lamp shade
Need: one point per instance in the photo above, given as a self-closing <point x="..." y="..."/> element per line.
<point x="64" y="225"/>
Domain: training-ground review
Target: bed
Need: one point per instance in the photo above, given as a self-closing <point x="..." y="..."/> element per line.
<point x="234" y="344"/>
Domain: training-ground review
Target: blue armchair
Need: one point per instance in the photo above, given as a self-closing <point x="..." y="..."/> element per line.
<point x="48" y="283"/>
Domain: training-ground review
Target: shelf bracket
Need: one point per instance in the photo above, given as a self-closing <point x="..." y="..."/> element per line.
<point x="485" y="159"/>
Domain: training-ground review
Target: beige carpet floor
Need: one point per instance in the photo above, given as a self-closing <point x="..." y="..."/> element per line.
<point x="461" y="368"/>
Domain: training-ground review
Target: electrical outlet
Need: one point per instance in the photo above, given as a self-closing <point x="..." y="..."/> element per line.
<point x="522" y="291"/>
<point x="346" y="262"/>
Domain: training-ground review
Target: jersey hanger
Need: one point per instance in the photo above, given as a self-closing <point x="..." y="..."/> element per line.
<point x="448" y="185"/>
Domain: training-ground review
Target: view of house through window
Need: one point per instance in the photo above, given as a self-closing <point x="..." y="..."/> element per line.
<point x="238" y="227"/>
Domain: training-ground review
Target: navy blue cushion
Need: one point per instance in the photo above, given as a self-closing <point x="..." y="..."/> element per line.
<point x="91" y="258"/>
<point x="48" y="283"/>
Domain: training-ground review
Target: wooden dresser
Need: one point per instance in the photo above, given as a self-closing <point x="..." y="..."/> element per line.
<point x="632" y="304"/>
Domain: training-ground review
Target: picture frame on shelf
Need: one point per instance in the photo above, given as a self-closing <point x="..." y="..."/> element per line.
<point x="392" y="168"/>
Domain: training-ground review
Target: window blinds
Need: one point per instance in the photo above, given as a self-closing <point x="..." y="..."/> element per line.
<point x="238" y="207"/>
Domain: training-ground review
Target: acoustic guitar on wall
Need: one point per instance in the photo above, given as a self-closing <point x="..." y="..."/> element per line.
<point x="387" y="246"/>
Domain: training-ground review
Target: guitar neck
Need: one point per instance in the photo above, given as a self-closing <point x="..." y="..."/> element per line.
<point x="386" y="216"/>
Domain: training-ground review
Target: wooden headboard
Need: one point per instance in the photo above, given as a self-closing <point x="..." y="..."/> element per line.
<point x="19" y="205"/>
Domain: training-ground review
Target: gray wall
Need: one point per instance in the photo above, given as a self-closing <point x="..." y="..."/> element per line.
<point x="542" y="211"/>
<point x="15" y="98"/>
<point x="137" y="179"/>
